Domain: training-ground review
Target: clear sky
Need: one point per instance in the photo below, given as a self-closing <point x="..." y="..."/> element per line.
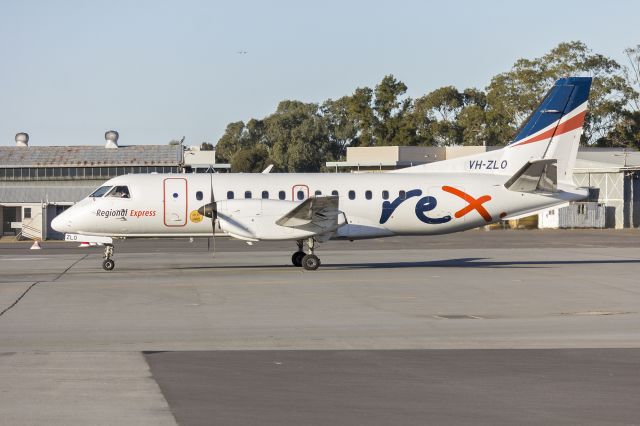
<point x="158" y="70"/>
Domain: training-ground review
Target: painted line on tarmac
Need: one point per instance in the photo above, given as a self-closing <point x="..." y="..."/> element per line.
<point x="24" y="293"/>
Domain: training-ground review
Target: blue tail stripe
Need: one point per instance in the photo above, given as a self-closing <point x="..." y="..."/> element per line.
<point x="566" y="95"/>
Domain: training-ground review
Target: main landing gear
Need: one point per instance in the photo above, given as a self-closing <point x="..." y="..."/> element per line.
<point x="309" y="262"/>
<point x="108" y="264"/>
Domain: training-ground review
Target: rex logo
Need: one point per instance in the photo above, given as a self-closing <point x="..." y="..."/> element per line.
<point x="429" y="203"/>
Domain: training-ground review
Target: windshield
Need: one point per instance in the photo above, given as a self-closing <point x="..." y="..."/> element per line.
<point x="100" y="191"/>
<point x="119" y="192"/>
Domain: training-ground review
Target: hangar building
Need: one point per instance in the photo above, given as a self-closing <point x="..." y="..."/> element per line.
<point x="39" y="182"/>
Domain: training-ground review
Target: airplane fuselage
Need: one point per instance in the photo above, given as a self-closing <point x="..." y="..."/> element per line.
<point x="371" y="204"/>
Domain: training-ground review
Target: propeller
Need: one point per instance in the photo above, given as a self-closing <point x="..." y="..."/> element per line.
<point x="210" y="211"/>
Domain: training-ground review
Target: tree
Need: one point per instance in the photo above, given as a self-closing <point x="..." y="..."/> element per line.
<point x="230" y="142"/>
<point x="513" y="95"/>
<point x="250" y="160"/>
<point x="206" y="146"/>
<point x="393" y="124"/>
<point x="298" y="137"/>
<point x="632" y="75"/>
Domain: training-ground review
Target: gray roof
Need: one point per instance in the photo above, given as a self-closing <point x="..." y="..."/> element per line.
<point x="79" y="156"/>
<point x="50" y="194"/>
<point x="614" y="157"/>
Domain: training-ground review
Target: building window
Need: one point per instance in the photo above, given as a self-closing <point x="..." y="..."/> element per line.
<point x="199" y="195"/>
<point x="385" y="195"/>
<point x="265" y="194"/>
<point x="352" y="195"/>
<point x="247" y="194"/>
<point x="282" y="195"/>
<point x="300" y="195"/>
<point x="334" y="192"/>
<point x="27" y="212"/>
<point x="229" y="195"/>
<point x="368" y="194"/>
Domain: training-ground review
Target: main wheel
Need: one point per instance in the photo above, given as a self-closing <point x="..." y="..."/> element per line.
<point x="108" y="264"/>
<point x="310" y="262"/>
<point x="296" y="259"/>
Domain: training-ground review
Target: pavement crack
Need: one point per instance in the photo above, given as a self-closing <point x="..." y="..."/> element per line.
<point x="24" y="293"/>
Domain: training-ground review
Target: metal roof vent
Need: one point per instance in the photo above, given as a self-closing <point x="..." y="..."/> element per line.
<point x="111" y="136"/>
<point x="22" y="139"/>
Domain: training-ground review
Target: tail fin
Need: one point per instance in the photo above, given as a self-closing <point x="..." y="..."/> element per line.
<point x="553" y="130"/>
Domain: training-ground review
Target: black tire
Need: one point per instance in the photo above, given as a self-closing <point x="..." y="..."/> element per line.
<point x="108" y="264"/>
<point x="296" y="259"/>
<point x="310" y="262"/>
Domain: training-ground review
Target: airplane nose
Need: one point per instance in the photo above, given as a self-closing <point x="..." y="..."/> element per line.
<point x="61" y="223"/>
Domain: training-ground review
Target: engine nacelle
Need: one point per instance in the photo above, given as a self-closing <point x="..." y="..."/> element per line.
<point x="255" y="219"/>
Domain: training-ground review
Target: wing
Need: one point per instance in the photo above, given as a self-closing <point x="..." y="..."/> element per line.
<point x="315" y="214"/>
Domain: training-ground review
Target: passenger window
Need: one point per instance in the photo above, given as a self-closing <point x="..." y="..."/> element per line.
<point x="282" y="195"/>
<point x="100" y="191"/>
<point x="119" y="192"/>
<point x="265" y="194"/>
<point x="229" y="195"/>
<point x="368" y="195"/>
<point x="318" y="192"/>
<point x="334" y="192"/>
<point x="403" y="195"/>
<point x="385" y="195"/>
<point x="247" y="194"/>
<point x="352" y="195"/>
<point x="199" y="195"/>
<point x="300" y="195"/>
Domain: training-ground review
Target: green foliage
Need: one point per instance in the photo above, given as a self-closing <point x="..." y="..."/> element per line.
<point x="206" y="146"/>
<point x="301" y="137"/>
<point x="514" y="94"/>
<point x="250" y="160"/>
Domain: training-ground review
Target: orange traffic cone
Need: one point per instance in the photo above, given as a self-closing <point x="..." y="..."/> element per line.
<point x="35" y="246"/>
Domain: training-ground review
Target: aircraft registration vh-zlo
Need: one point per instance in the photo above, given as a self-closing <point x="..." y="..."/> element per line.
<point x="531" y="173"/>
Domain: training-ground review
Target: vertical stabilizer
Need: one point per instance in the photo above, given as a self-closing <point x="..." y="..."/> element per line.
<point x="553" y="130"/>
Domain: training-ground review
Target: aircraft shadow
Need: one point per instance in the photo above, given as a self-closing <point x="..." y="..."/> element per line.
<point x="478" y="262"/>
<point x="466" y="262"/>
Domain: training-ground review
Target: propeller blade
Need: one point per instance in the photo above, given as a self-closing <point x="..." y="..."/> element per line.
<point x="211" y="210"/>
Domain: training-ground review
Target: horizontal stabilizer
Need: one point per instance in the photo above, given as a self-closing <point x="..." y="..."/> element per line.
<point x="319" y="213"/>
<point x="535" y="176"/>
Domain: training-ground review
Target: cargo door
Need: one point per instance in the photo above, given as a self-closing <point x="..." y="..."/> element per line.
<point x="175" y="202"/>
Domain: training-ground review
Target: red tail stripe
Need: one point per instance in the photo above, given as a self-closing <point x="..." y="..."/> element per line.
<point x="571" y="124"/>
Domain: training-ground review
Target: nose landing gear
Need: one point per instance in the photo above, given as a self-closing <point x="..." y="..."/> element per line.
<point x="108" y="264"/>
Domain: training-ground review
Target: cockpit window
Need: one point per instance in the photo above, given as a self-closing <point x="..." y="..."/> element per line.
<point x="100" y="191"/>
<point x="119" y="192"/>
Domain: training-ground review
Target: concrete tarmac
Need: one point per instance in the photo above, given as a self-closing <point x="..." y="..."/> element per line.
<point x="527" y="290"/>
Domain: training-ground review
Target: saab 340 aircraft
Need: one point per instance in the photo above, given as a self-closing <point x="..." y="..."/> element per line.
<point x="531" y="173"/>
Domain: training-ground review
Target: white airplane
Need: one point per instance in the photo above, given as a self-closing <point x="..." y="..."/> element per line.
<point x="531" y="173"/>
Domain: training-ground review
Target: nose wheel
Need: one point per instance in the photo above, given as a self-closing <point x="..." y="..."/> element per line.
<point x="108" y="264"/>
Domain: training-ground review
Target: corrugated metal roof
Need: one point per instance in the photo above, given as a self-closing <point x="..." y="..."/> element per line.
<point x="50" y="194"/>
<point x="78" y="156"/>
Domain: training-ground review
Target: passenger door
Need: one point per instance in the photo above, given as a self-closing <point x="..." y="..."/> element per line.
<point x="175" y="202"/>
